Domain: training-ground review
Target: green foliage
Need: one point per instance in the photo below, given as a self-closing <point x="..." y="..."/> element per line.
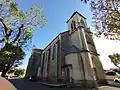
<point x="16" y="31"/>
<point x="115" y="58"/>
<point x="8" y="0"/>
<point x="19" y="72"/>
<point x="10" y="71"/>
<point x="22" y="15"/>
<point x="19" y="24"/>
<point x="11" y="55"/>
<point x="29" y="33"/>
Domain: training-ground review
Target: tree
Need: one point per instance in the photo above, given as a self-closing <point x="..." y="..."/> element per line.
<point x="10" y="71"/>
<point x="85" y="1"/>
<point x="115" y="58"/>
<point x="16" y="31"/>
<point x="106" y="15"/>
<point x="11" y="56"/>
<point x="19" y="72"/>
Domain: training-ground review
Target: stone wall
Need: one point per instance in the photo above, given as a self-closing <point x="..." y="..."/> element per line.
<point x="34" y="62"/>
<point x="98" y="69"/>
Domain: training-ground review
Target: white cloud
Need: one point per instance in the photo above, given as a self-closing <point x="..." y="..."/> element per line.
<point x="106" y="47"/>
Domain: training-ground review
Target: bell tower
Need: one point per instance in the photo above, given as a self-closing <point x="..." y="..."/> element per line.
<point x="81" y="38"/>
<point x="75" y="21"/>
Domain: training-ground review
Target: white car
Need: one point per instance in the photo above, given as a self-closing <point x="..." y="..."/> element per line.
<point x="117" y="80"/>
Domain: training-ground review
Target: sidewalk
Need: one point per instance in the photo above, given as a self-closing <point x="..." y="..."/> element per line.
<point x="112" y="83"/>
<point x="107" y="88"/>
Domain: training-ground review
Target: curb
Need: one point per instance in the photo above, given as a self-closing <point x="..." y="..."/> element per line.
<point x="54" y="85"/>
<point x="64" y="86"/>
<point x="113" y="85"/>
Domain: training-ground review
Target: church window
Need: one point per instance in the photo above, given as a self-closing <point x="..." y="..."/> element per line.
<point x="49" y="53"/>
<point x="54" y="51"/>
<point x="58" y="51"/>
<point x="43" y="59"/>
<point x="73" y="26"/>
<point x="45" y="56"/>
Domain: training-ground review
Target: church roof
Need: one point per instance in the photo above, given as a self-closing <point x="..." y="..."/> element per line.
<point x="72" y="49"/>
<point x="56" y="37"/>
<point x="74" y="14"/>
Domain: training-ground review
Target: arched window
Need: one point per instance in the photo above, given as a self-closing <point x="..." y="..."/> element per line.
<point x="73" y="26"/>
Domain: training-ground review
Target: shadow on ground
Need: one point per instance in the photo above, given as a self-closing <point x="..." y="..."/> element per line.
<point x="23" y="84"/>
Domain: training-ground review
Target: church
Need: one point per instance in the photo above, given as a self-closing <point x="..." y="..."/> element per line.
<point x="71" y="57"/>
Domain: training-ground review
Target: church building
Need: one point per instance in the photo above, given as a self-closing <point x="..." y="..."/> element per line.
<point x="70" y="58"/>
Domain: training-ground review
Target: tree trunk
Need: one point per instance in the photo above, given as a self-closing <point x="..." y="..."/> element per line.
<point x="3" y="73"/>
<point x="5" y="69"/>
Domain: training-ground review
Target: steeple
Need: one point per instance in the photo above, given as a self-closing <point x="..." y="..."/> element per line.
<point x="76" y="20"/>
<point x="74" y="14"/>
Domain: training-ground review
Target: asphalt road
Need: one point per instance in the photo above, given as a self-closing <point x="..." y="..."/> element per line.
<point x="112" y="83"/>
<point x="23" y="84"/>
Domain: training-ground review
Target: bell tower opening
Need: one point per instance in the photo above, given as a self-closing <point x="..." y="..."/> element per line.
<point x="73" y="26"/>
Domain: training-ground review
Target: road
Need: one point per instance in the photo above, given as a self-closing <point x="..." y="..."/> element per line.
<point x="112" y="83"/>
<point x="23" y="84"/>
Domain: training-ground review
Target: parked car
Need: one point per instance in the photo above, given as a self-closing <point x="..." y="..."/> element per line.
<point x="110" y="73"/>
<point x="117" y="80"/>
<point x="32" y="78"/>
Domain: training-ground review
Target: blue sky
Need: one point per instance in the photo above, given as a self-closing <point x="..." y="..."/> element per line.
<point x="57" y="13"/>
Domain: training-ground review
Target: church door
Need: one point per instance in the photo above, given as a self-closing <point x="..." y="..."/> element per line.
<point x="68" y="75"/>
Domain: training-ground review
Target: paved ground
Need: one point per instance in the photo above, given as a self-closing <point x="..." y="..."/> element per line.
<point x="23" y="84"/>
<point x="112" y="83"/>
<point x="108" y="88"/>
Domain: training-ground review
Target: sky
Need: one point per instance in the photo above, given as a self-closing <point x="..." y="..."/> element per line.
<point x="57" y="12"/>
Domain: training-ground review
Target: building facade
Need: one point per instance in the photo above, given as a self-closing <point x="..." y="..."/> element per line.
<point x="70" y="58"/>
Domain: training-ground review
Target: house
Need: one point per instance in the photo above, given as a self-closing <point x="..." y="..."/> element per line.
<point x="70" y="58"/>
